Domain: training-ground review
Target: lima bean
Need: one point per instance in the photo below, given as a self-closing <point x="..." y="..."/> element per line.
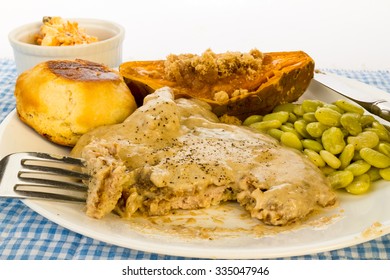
<point x="287" y="107"/>
<point x="314" y="157"/>
<point x="291" y="140"/>
<point x="300" y="127"/>
<point x="327" y="170"/>
<point x="366" y="120"/>
<point x="298" y="110"/>
<point x="330" y="159"/>
<point x="384" y="148"/>
<point x="266" y="125"/>
<point x="375" y="158"/>
<point x="310" y="105"/>
<point x="252" y="119"/>
<point x="359" y="185"/>
<point x="365" y="139"/>
<point x="312" y="145"/>
<point x="309" y="117"/>
<point x="351" y="122"/>
<point x="275" y="133"/>
<point x="358" y="167"/>
<point x="280" y="116"/>
<point x="349" y="107"/>
<point x="374" y="174"/>
<point x="347" y="155"/>
<point x="334" y="107"/>
<point x="382" y="135"/>
<point x="328" y="116"/>
<point x="381" y="130"/>
<point x="315" y="129"/>
<point x="292" y="117"/>
<point x="289" y="127"/>
<point x="385" y="173"/>
<point x="340" y="179"/>
<point x="333" y="140"/>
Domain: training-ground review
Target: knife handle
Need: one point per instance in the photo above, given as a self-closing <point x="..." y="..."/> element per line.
<point x="381" y="108"/>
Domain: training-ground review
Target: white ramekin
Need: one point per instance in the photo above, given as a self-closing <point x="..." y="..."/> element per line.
<point x="108" y="50"/>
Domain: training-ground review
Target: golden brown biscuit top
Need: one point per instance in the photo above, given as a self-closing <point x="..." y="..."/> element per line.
<point x="82" y="70"/>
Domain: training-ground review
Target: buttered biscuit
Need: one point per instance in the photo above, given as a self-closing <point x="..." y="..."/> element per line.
<point x="63" y="99"/>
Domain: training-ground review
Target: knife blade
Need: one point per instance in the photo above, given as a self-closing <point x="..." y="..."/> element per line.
<point x="377" y="104"/>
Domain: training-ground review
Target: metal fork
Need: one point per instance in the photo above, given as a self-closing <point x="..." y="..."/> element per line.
<point x="42" y="176"/>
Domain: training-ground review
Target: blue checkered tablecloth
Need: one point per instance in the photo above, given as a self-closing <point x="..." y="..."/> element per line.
<point x="25" y="234"/>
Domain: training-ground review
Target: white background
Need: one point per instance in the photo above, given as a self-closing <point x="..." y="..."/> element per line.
<point x="350" y="34"/>
<point x="317" y="269"/>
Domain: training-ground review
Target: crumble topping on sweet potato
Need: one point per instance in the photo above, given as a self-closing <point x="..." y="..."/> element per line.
<point x="210" y="67"/>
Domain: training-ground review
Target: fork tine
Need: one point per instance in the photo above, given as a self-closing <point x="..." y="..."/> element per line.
<point x="50" y="196"/>
<point x="65" y="159"/>
<point x="54" y="170"/>
<point x="75" y="186"/>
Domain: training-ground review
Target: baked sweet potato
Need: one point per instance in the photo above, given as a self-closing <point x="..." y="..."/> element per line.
<point x="235" y="84"/>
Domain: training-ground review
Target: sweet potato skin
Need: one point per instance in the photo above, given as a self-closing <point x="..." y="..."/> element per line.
<point x="285" y="77"/>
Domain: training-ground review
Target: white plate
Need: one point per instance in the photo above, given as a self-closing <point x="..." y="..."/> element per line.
<point x="357" y="219"/>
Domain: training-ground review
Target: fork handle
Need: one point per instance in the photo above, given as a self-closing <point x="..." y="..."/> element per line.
<point x="381" y="108"/>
